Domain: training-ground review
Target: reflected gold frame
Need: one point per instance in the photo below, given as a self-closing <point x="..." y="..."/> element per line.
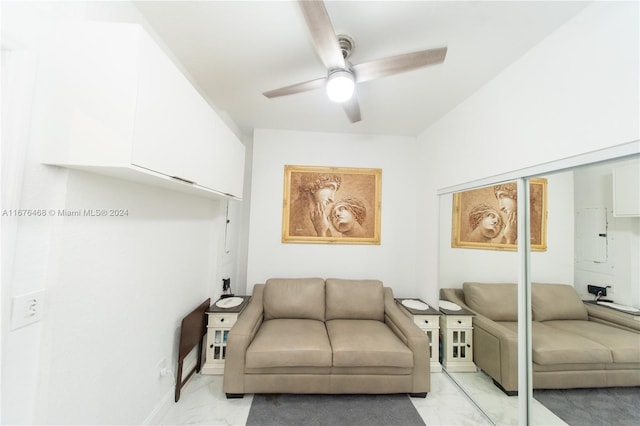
<point x="361" y="183"/>
<point x="464" y="201"/>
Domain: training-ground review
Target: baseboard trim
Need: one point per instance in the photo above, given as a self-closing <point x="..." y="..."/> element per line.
<point x="167" y="401"/>
<point x="161" y="409"/>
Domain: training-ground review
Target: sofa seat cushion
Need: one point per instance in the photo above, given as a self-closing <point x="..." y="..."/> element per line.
<point x="635" y="366"/>
<point x="367" y="343"/>
<point x="552" y="345"/>
<point x="538" y="368"/>
<point x="624" y="345"/>
<point x="290" y="343"/>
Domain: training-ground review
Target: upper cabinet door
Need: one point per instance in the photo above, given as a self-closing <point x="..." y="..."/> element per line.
<point x="626" y="190"/>
<point x="90" y="76"/>
<point x="228" y="160"/>
<point x="124" y="108"/>
<point x="173" y="125"/>
<point x="176" y="131"/>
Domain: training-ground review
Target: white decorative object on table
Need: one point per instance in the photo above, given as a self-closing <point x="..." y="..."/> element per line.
<point x="619" y="307"/>
<point x="415" y="304"/>
<point x="449" y="306"/>
<point x="229" y="302"/>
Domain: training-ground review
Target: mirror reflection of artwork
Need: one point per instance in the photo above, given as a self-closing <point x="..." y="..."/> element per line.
<point x="334" y="205"/>
<point x="486" y="218"/>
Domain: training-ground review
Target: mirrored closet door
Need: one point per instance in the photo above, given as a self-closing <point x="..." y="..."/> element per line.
<point x="595" y="227"/>
<point x="575" y="237"/>
<point x="479" y="271"/>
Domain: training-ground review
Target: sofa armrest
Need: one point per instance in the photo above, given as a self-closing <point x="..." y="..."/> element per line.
<point x="239" y="339"/>
<point x="614" y="318"/>
<point x="494" y="328"/>
<point x="495" y="351"/>
<point x="416" y="339"/>
<point x="495" y="347"/>
<point x="399" y="322"/>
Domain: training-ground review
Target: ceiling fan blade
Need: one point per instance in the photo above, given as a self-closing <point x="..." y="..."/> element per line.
<point x="322" y="33"/>
<point x="352" y="108"/>
<point x="398" y="64"/>
<point x="297" y="88"/>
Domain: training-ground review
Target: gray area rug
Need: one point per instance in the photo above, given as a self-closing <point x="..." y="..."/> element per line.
<point x="332" y="410"/>
<point x="593" y="407"/>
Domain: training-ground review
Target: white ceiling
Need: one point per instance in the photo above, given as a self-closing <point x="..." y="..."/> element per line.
<point x="235" y="50"/>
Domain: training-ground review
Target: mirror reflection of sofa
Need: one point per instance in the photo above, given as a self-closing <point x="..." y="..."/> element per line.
<point x="574" y="345"/>
<point x="336" y="336"/>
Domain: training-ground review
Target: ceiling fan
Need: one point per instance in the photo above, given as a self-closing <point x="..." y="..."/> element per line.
<point x="335" y="50"/>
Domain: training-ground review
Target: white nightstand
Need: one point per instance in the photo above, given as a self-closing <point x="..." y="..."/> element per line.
<point x="219" y="323"/>
<point x="457" y="340"/>
<point x="429" y="321"/>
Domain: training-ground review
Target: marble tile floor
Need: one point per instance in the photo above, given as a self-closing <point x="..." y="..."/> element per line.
<point x="501" y="409"/>
<point x="202" y="402"/>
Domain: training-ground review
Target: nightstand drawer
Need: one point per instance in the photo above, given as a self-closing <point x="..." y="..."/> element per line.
<point x="427" y="321"/>
<point x="218" y="320"/>
<point x="458" y="321"/>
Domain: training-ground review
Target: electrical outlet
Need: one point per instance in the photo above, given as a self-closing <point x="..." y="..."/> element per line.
<point x="27" y="309"/>
<point x="161" y="366"/>
<point x="598" y="291"/>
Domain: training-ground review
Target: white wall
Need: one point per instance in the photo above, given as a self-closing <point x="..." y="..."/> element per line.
<point x="391" y="261"/>
<point x="620" y="270"/>
<point x="116" y="288"/>
<point x="575" y="92"/>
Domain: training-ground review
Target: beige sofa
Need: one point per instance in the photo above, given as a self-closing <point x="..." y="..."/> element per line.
<point x="574" y="344"/>
<point x="336" y="336"/>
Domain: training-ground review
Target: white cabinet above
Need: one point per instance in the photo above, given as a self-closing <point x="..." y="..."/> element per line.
<point x="124" y="109"/>
<point x="626" y="190"/>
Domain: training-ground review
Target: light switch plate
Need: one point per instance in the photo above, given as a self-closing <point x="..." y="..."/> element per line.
<point x="27" y="309"/>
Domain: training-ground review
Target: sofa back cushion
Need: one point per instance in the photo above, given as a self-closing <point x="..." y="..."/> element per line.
<point x="355" y="299"/>
<point x="302" y="298"/>
<point x="496" y="301"/>
<point x="556" y="302"/>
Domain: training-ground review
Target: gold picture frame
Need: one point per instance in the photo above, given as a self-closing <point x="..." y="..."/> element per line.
<point x="331" y="205"/>
<point x="485" y="218"/>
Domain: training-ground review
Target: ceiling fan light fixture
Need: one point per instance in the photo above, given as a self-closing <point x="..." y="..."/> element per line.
<point x="340" y="85"/>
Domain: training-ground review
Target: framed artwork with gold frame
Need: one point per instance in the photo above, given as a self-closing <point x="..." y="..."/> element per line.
<point x="485" y="218"/>
<point x="331" y="205"/>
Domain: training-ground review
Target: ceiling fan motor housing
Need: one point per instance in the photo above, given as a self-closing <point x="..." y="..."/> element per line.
<point x="346" y="45"/>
